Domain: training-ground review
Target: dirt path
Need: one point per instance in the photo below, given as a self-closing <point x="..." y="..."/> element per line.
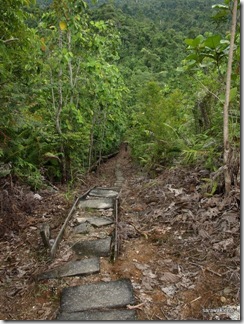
<point x="179" y="246"/>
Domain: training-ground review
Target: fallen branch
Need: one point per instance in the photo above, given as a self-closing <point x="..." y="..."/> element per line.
<point x="216" y="273"/>
<point x="135" y="306"/>
<point x="197" y="265"/>
<point x="167" y="318"/>
<point x="206" y="269"/>
<point x="194" y="300"/>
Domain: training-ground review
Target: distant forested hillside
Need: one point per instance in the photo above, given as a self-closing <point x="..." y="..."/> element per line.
<point x="78" y="77"/>
<point x="43" y="3"/>
<point x="187" y="16"/>
<point x="153" y="32"/>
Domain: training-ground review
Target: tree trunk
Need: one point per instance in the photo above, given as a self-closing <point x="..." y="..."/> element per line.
<point x="60" y="90"/>
<point x="70" y="67"/>
<point x="58" y="113"/>
<point x="227" y="101"/>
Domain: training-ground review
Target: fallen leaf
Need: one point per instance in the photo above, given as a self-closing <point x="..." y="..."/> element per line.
<point x="140" y="266"/>
<point x="169" y="277"/>
<point x="169" y="290"/>
<point x="148" y="273"/>
<point x="203" y="233"/>
<point x="222" y="245"/>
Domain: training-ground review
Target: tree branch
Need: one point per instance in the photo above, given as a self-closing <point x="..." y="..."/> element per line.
<point x="10" y="40"/>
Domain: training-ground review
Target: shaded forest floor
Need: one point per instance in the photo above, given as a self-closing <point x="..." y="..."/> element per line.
<point x="179" y="246"/>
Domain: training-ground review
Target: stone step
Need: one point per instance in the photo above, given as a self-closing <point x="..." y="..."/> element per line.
<point x="97" y="248"/>
<point x="104" y="192"/>
<point x="73" y="268"/>
<point x="100" y="203"/>
<point x="97" y="296"/>
<point x="82" y="228"/>
<point x="93" y="315"/>
<point x="97" y="221"/>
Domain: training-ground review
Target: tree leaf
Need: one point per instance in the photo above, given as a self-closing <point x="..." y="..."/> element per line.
<point x="220" y="6"/>
<point x="213" y="41"/>
<point x="233" y="93"/>
<point x="51" y="156"/>
<point x="62" y="25"/>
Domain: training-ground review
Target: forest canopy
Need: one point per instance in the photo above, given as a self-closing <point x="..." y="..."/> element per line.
<point x="79" y="77"/>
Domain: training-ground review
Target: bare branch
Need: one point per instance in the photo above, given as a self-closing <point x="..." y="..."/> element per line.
<point x="10" y="40"/>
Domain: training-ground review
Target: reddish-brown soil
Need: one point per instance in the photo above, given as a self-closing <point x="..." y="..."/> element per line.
<point x="179" y="245"/>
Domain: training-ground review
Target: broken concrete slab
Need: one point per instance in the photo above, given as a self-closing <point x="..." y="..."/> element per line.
<point x="103" y="192"/>
<point x="83" y="228"/>
<point x="73" y="268"/>
<point x="93" y="315"/>
<point x="97" y="248"/>
<point x="95" y="221"/>
<point x="104" y="203"/>
<point x="97" y="296"/>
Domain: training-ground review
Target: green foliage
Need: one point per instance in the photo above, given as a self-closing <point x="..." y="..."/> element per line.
<point x="155" y="134"/>
<point x="28" y="173"/>
<point x="76" y="78"/>
<point x="202" y="150"/>
<point x="85" y="87"/>
<point x="208" y="60"/>
<point x="56" y="77"/>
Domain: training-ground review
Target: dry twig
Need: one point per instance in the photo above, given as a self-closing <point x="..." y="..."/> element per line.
<point x="194" y="300"/>
<point x="135" y="306"/>
<point x="216" y="273"/>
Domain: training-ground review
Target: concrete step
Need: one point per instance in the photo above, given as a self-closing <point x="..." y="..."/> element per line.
<point x="104" y="192"/>
<point x="97" y="296"/>
<point x="100" y="203"/>
<point x="93" y="315"/>
<point x="73" y="268"/>
<point x="97" y="248"/>
<point x="97" y="221"/>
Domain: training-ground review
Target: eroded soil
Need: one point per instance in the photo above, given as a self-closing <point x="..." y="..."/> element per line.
<point x="179" y="246"/>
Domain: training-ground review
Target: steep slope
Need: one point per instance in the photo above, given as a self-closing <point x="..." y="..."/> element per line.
<point x="171" y="234"/>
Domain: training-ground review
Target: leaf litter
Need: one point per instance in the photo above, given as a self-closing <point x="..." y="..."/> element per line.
<point x="171" y="234"/>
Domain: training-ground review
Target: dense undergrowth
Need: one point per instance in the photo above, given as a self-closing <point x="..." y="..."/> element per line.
<point x="80" y="77"/>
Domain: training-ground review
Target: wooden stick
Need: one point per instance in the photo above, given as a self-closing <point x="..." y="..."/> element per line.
<point x="193" y="301"/>
<point x="167" y="318"/>
<point x="216" y="273"/>
<point x="135" y="306"/>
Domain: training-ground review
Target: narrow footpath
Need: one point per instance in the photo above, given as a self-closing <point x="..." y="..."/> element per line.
<point x="131" y="246"/>
<point x="92" y="227"/>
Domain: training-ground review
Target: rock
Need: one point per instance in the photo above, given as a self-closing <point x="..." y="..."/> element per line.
<point x="104" y="203"/>
<point x="97" y="296"/>
<point x="99" y="247"/>
<point x="103" y="192"/>
<point x="73" y="268"/>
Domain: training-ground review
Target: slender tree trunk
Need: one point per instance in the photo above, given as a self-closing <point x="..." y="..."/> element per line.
<point x="103" y="132"/>
<point x="52" y="90"/>
<point x="60" y="90"/>
<point x="70" y="67"/>
<point x="59" y="110"/>
<point x="91" y="147"/>
<point x="227" y="101"/>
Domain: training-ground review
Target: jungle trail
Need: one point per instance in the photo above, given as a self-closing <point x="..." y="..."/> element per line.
<point x="123" y="245"/>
